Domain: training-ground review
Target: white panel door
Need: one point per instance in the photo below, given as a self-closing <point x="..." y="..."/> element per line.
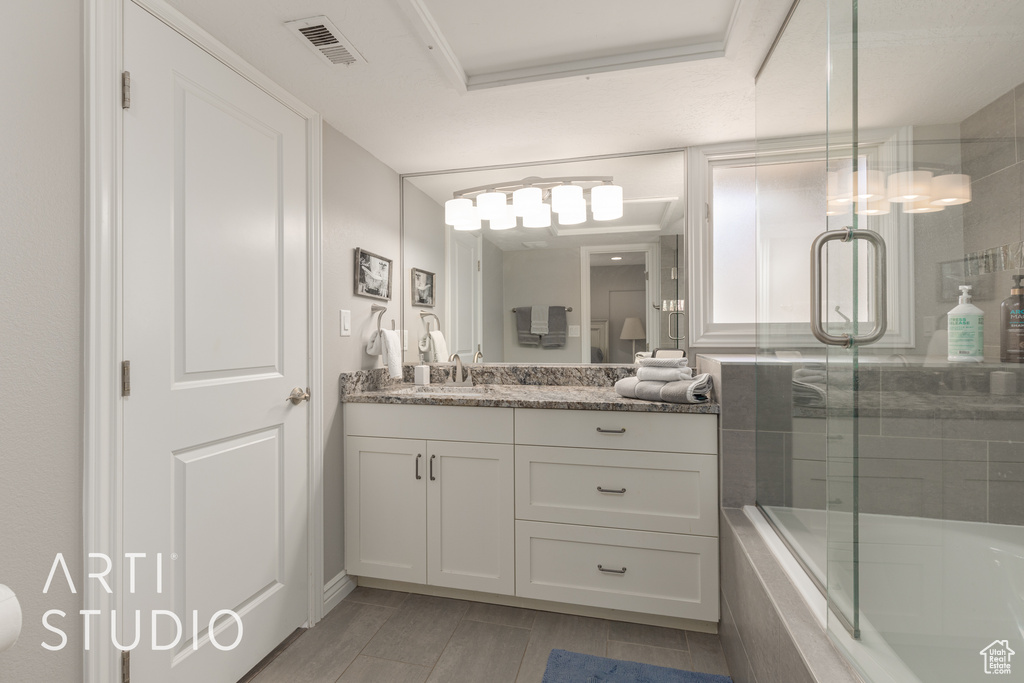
<point x="385" y="503"/>
<point x="471" y="516"/>
<point x="465" y="293"/>
<point x="215" y="326"/>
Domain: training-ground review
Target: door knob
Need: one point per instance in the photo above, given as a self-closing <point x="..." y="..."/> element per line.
<point x="298" y="395"/>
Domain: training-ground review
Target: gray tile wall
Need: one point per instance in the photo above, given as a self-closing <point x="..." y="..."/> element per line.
<point x="992" y="153"/>
<point x="768" y="633"/>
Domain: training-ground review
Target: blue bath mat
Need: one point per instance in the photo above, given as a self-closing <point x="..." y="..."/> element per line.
<point x="572" y="667"/>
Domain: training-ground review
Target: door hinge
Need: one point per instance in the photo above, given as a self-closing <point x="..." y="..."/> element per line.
<point x="126" y="90"/>
<point x="478" y="266"/>
<point x="126" y="378"/>
<point x="126" y="666"/>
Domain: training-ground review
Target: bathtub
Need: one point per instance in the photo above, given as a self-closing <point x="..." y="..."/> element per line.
<point x="933" y="594"/>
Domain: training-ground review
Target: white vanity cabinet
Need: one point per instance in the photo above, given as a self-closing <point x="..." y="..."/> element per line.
<point x="618" y="510"/>
<point x="606" y="509"/>
<point x="427" y="510"/>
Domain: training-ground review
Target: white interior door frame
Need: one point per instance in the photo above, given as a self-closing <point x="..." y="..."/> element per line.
<point x="652" y="262"/>
<point x="102" y="318"/>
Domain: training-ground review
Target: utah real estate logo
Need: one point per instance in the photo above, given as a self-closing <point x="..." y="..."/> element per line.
<point x="997" y="657"/>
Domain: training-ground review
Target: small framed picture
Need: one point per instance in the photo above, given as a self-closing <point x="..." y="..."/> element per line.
<point x="373" y="275"/>
<point x="422" y="288"/>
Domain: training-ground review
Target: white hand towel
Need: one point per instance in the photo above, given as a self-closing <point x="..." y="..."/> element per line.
<point x="539" y="320"/>
<point x="392" y="353"/>
<point x="373" y="347"/>
<point x="662" y="362"/>
<point x="649" y="374"/>
<point x="439" y="347"/>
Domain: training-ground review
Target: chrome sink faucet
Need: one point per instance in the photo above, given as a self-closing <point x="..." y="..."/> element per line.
<point x="479" y="355"/>
<point x="457" y="378"/>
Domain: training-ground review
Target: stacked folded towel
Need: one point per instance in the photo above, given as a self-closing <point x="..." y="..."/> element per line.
<point x="809" y="385"/>
<point x="666" y="379"/>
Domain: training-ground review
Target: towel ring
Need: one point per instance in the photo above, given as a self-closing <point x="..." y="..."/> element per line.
<point x="380" y="311"/>
<point x="427" y="314"/>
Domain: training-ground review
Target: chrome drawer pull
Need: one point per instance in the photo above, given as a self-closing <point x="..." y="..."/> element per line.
<point x="611" y="571"/>
<point x="612" y="431"/>
<point x="602" y="490"/>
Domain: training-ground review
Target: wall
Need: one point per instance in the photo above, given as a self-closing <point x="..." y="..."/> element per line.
<point x="360" y="209"/>
<point x="606" y="280"/>
<point x="40" y="306"/>
<point x="541" y="277"/>
<point x="423" y="248"/>
<point x="494" y="305"/>
<point x="992" y="144"/>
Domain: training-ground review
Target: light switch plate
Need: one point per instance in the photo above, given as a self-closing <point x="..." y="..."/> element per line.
<point x="346" y="323"/>
<point x="574" y="330"/>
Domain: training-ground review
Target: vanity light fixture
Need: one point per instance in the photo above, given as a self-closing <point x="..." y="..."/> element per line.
<point x="534" y="200"/>
<point x="951" y="189"/>
<point x="909" y="186"/>
<point x="923" y="206"/>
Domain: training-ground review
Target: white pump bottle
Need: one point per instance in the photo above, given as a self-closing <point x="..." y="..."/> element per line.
<point x="966" y="331"/>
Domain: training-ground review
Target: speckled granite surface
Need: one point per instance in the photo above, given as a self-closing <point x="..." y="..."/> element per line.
<point x="924" y="406"/>
<point x="500" y="385"/>
<point x="522" y="396"/>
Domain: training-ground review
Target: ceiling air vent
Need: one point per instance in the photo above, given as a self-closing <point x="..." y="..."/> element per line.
<point x="326" y="40"/>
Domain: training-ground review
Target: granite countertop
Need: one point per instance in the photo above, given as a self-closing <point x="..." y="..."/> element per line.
<point x="521" y="396"/>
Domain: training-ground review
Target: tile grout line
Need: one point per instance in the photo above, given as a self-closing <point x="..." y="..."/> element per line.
<point x="394" y="611"/>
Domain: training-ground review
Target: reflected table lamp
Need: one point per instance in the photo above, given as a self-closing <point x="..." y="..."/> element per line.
<point x="632" y="330"/>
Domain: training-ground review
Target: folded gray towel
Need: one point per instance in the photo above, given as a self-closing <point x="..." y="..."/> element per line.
<point x="650" y="391"/>
<point x="649" y="374"/>
<point x="523" y="317"/>
<point x="557" y="328"/>
<point x="627" y="387"/>
<point x="696" y="390"/>
<point x="662" y="362"/>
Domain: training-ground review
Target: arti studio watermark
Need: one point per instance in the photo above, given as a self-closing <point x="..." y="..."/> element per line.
<point x="157" y="618"/>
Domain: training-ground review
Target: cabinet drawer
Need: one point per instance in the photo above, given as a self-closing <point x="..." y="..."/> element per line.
<point x="668" y="574"/>
<point x="686" y="432"/>
<point x="430" y="423"/>
<point x="644" y="490"/>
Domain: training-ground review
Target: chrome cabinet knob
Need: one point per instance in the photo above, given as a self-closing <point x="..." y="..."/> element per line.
<point x="298" y="395"/>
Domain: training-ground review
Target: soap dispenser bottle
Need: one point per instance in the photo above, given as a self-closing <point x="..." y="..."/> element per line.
<point x="1011" y="324"/>
<point x="966" y="330"/>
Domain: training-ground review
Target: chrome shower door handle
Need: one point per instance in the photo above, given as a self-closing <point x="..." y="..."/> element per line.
<point x="881" y="311"/>
<point x="670" y="335"/>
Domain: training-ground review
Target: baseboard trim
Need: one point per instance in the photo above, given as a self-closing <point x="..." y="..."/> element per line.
<point x="543" y="605"/>
<point x="337" y="589"/>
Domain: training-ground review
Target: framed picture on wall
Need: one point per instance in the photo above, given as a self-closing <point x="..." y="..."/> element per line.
<point x="422" y="288"/>
<point x="372" y="275"/>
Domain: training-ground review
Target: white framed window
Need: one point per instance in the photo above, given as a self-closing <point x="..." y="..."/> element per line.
<point x="743" y="272"/>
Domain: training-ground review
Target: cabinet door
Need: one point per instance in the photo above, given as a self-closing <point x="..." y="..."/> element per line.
<point x="385" y="499"/>
<point x="470" y="516"/>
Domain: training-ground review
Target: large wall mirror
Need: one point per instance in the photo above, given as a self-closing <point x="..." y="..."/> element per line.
<point x="619" y="280"/>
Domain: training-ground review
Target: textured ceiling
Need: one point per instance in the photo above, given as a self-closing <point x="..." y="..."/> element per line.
<point x="404" y="110"/>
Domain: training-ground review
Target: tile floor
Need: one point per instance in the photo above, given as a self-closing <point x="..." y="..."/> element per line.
<point x="378" y="636"/>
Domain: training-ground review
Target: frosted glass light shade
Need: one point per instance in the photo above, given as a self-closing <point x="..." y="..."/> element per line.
<point x="875" y="207"/>
<point x="491" y="205"/>
<point x="573" y="213"/>
<point x="526" y="198"/>
<point x="606" y="202"/>
<point x="868" y="184"/>
<point x="458" y="210"/>
<point x="563" y="197"/>
<point x="923" y="206"/>
<point x="836" y="207"/>
<point x="909" y="186"/>
<point x="539" y="217"/>
<point x="842" y="191"/>
<point x="950" y="190"/>
<point x="506" y="221"/>
<point x="471" y="221"/>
